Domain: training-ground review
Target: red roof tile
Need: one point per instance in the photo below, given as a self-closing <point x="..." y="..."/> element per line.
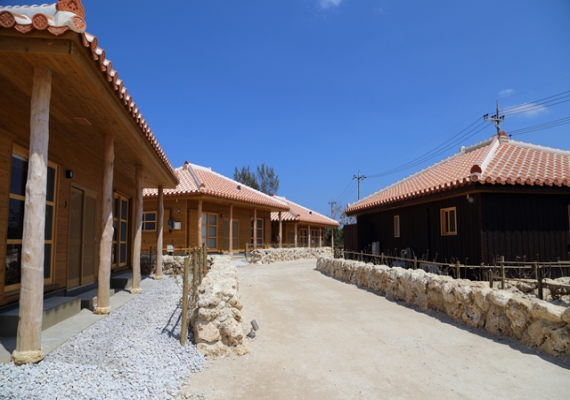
<point x="497" y="160"/>
<point x="198" y="180"/>
<point x="69" y="15"/>
<point x="298" y="213"/>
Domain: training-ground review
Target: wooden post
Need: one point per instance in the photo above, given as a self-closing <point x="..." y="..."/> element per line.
<point x="230" y="239"/>
<point x="204" y="261"/>
<point x="106" y="242"/>
<point x="184" y="330"/>
<point x="255" y="228"/>
<point x="296" y="243"/>
<point x="29" y="337"/>
<point x="199" y="223"/>
<point x="457" y="270"/>
<point x="538" y="274"/>
<point x="309" y="236"/>
<point x="502" y="272"/>
<point x="332" y="238"/>
<point x="320" y="237"/>
<point x="159" y="233"/>
<point x="415" y="262"/>
<point x="195" y="272"/>
<point x="382" y="257"/>
<point x="136" y="288"/>
<point x="491" y="279"/>
<point x="280" y="230"/>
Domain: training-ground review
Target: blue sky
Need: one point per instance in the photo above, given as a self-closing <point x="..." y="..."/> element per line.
<point x="319" y="89"/>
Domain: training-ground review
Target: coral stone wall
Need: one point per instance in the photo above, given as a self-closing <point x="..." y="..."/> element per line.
<point x="268" y="256"/>
<point x="217" y="319"/>
<point x="534" y="322"/>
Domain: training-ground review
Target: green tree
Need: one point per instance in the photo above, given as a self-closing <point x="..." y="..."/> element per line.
<point x="267" y="180"/>
<point x="246" y="177"/>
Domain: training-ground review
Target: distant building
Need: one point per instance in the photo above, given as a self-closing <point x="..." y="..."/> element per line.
<point x="496" y="198"/>
<point x="207" y="207"/>
<point x="301" y="227"/>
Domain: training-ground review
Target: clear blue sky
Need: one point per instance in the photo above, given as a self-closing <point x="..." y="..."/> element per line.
<point x="319" y="89"/>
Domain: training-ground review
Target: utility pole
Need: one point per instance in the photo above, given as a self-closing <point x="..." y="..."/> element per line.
<point x="359" y="177"/>
<point x="495" y="119"/>
<point x="332" y="203"/>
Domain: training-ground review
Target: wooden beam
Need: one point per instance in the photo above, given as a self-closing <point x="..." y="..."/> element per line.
<point x="231" y="233"/>
<point x="29" y="337"/>
<point x="159" y="233"/>
<point x="309" y="235"/>
<point x="254" y="228"/>
<point x="280" y="230"/>
<point x="199" y="223"/>
<point x="36" y="45"/>
<point x="106" y="242"/>
<point x="137" y="229"/>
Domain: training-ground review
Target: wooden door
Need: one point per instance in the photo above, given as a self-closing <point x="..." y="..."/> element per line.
<point x="235" y="235"/>
<point x="82" y="238"/>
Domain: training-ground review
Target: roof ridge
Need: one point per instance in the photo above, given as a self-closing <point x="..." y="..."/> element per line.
<point x="539" y="147"/>
<point x="311" y="211"/>
<point x="197" y="181"/>
<point x="463" y="150"/>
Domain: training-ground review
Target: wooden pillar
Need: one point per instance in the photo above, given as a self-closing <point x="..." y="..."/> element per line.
<point x="106" y="241"/>
<point x="309" y="235"/>
<point x="332" y="238"/>
<point x="136" y="288"/>
<point x="296" y="243"/>
<point x="199" y="223"/>
<point x="320" y="237"/>
<point x="159" y="233"/>
<point x="231" y="231"/>
<point x="255" y="228"/>
<point x="280" y="230"/>
<point x="29" y="338"/>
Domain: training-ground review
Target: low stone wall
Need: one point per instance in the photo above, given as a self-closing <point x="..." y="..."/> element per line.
<point x="217" y="320"/>
<point x="268" y="256"/>
<point x="534" y="322"/>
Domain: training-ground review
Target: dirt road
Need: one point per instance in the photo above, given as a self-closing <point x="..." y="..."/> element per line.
<point x="323" y="339"/>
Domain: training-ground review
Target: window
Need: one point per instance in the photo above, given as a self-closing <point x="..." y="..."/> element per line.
<point x="315" y="237"/>
<point x="259" y="227"/>
<point x="120" y="230"/>
<point x="18" y="180"/>
<point x="149" y="221"/>
<point x="210" y="230"/>
<point x="304" y="236"/>
<point x="396" y="226"/>
<point x="448" y="221"/>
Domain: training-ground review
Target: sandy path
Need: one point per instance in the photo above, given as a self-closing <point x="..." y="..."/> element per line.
<point x="323" y="339"/>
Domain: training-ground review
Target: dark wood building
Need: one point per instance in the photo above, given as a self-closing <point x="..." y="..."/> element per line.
<point x="496" y="198"/>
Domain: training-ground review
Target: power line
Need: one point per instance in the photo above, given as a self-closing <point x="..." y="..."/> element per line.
<point x="545" y="125"/>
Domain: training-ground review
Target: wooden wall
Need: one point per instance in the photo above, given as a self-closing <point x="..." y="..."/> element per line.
<point x="350" y="234"/>
<point x="420" y="231"/>
<point x="525" y="226"/>
<point x="188" y="217"/>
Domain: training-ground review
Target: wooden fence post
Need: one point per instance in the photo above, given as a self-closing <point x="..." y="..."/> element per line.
<point x="195" y="273"/>
<point x="502" y="272"/>
<point x="538" y="273"/>
<point x="184" y="330"/>
<point x="457" y="270"/>
<point x="491" y="279"/>
<point x="415" y="262"/>
<point x="205" y="259"/>
<point x="382" y="257"/>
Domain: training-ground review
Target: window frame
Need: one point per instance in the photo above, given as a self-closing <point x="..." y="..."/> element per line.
<point x="24" y="153"/>
<point x="260" y="231"/>
<point x="117" y="231"/>
<point x="397" y="226"/>
<point x="207" y="237"/>
<point x="446" y="222"/>
<point x="144" y="221"/>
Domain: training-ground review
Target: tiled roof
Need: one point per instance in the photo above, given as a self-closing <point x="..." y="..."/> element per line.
<point x="67" y="15"/>
<point x="198" y="180"/>
<point x="496" y="161"/>
<point x="298" y="213"/>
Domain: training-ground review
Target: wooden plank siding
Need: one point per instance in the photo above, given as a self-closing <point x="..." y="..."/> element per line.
<point x="527" y="227"/>
<point x="188" y="217"/>
<point x="420" y="230"/>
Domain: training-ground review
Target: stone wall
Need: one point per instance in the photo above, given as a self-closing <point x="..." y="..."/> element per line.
<point x="268" y="256"/>
<point x="535" y="322"/>
<point x="217" y="320"/>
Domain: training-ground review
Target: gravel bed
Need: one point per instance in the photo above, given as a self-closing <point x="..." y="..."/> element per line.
<point x="133" y="353"/>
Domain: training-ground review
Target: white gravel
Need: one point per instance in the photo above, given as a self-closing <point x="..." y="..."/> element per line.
<point x="134" y="353"/>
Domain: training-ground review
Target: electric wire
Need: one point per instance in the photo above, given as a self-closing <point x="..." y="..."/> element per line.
<point x="538" y="127"/>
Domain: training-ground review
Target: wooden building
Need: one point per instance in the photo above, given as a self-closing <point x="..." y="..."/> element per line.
<point x="496" y="198"/>
<point x="300" y="226"/>
<point x="207" y="207"/>
<point x="75" y="152"/>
